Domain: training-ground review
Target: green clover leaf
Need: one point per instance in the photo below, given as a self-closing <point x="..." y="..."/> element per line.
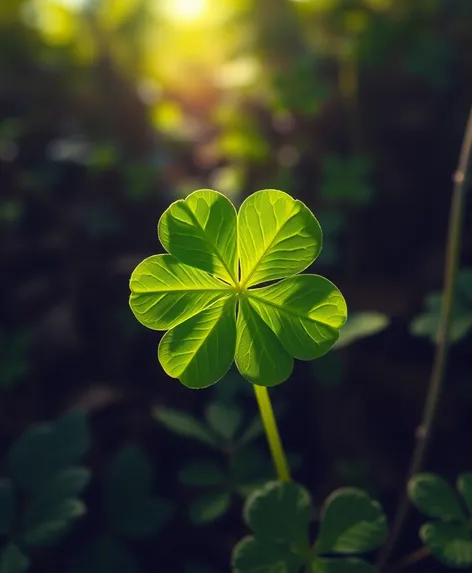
<point x="448" y="537"/>
<point x="202" y="292"/>
<point x="279" y="515"/>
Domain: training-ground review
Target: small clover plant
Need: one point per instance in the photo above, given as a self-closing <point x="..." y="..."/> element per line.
<point x="448" y="537"/>
<point x="279" y="515"/>
<point x="203" y="291"/>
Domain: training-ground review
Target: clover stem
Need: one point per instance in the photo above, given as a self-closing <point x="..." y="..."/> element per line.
<point x="425" y="430"/>
<point x="272" y="433"/>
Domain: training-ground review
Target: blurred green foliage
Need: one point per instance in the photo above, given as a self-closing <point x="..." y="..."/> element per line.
<point x="448" y="537"/>
<point x="40" y="500"/>
<point x="109" y="110"/>
<point x="131" y="512"/>
<point x="15" y="348"/>
<point x="427" y="323"/>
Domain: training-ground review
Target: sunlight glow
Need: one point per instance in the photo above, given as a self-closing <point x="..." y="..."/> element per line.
<point x="73" y="4"/>
<point x="185" y="9"/>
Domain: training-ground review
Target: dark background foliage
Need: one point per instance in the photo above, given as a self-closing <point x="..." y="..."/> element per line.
<point x="111" y="110"/>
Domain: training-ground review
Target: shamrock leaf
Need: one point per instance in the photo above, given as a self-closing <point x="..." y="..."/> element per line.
<point x="279" y="515"/>
<point x="448" y="537"/>
<point x="352" y="523"/>
<point x="202" y="290"/>
<point x="253" y="556"/>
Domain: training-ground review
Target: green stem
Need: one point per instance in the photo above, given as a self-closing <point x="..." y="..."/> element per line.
<point x="272" y="433"/>
<point x="424" y="432"/>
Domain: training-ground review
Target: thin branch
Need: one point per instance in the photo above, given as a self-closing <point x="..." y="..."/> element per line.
<point x="409" y="560"/>
<point x="424" y="432"/>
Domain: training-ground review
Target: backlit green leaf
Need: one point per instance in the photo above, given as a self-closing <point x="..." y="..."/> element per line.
<point x="177" y="290"/>
<point x="305" y="312"/>
<point x="200" y="350"/>
<point x="200" y="231"/>
<point x="451" y="543"/>
<point x="433" y="496"/>
<point x="260" y="357"/>
<point x="198" y="289"/>
<point x="352" y="523"/>
<point x="279" y="512"/>
<point x="253" y="556"/>
<point x="278" y="236"/>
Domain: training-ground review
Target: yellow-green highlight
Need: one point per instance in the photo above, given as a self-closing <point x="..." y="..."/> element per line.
<point x="272" y="433"/>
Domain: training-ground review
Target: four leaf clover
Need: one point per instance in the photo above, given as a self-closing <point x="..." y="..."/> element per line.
<point x="203" y="292"/>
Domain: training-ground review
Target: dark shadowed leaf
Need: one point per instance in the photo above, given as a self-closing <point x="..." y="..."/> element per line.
<point x="105" y="555"/>
<point x="45" y="523"/>
<point x="349" y="565"/>
<point x="253" y="556"/>
<point x="451" y="543"/>
<point x="12" y="560"/>
<point x="209" y="507"/>
<point x="204" y="473"/>
<point x="352" y="522"/>
<point x="7" y="506"/>
<point x="185" y="425"/>
<point x="433" y="496"/>
<point x="279" y="512"/>
<point x="131" y="508"/>
<point x="43" y="450"/>
<point x="223" y="419"/>
<point x="464" y="486"/>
